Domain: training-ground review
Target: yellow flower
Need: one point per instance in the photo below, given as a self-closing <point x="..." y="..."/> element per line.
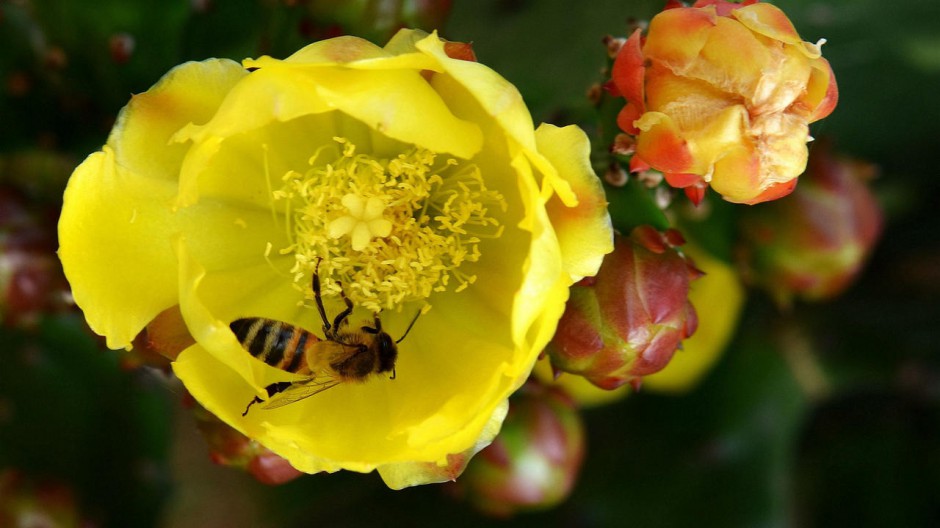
<point x="414" y="180"/>
<point x="721" y="95"/>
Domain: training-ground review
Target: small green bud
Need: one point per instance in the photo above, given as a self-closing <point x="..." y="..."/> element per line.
<point x="534" y="461"/>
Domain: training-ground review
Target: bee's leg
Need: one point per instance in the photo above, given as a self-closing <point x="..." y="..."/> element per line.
<point x="319" y="299"/>
<point x="252" y="402"/>
<point x="377" y="328"/>
<point x="271" y="389"/>
<point x="341" y="318"/>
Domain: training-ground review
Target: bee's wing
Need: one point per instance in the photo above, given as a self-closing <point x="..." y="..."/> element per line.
<point x="327" y="353"/>
<point x="302" y="390"/>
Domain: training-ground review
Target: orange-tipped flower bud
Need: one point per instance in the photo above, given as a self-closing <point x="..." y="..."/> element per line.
<point x="721" y="94"/>
<point x="629" y="321"/>
<point x="534" y="462"/>
<point x="813" y="244"/>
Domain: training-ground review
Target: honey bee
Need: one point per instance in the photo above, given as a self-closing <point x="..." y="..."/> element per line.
<point x="343" y="355"/>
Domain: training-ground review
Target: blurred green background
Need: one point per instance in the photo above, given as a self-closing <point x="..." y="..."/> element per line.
<point x="750" y="446"/>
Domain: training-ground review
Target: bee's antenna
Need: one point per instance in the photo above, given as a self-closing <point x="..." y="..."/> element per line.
<point x="413" y="321"/>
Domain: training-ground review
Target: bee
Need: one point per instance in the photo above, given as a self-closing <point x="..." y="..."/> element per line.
<point x="343" y="355"/>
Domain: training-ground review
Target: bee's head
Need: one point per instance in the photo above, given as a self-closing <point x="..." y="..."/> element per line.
<point x="388" y="352"/>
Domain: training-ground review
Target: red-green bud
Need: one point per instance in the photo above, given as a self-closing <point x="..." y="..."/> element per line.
<point x="27" y="503"/>
<point x="813" y="243"/>
<point x="31" y="280"/>
<point x="630" y="319"/>
<point x="228" y="447"/>
<point x="534" y="461"/>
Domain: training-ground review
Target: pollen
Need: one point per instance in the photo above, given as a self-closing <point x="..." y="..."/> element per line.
<point x="387" y="231"/>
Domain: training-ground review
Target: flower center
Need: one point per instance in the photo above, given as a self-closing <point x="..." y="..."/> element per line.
<point x="388" y="231"/>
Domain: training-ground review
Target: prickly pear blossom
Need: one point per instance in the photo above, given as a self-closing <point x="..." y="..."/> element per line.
<point x="628" y="321"/>
<point x="721" y="94"/>
<point x="813" y="243"/>
<point x="415" y="180"/>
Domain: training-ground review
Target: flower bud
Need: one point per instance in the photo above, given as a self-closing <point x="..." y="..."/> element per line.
<point x="535" y="460"/>
<point x="584" y="393"/>
<point x="720" y="289"/>
<point x="31" y="280"/>
<point x="629" y="321"/>
<point x="721" y="94"/>
<point x="160" y="342"/>
<point x="36" y="504"/>
<point x="813" y="244"/>
<point x="228" y="447"/>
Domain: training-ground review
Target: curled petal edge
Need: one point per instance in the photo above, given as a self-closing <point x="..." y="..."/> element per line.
<point x="406" y="474"/>
<point x="628" y="71"/>
<point x="661" y="144"/>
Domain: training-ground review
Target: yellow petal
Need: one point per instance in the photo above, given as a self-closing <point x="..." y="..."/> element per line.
<point x="361" y="236"/>
<point x="340" y="50"/>
<point x="406" y="474"/>
<point x="584" y="231"/>
<point x="380" y="227"/>
<point x="770" y="21"/>
<point x="373" y="208"/>
<point x="676" y="36"/>
<point x="495" y="95"/>
<point x="389" y="102"/>
<point x="209" y="303"/>
<point x="354" y="204"/>
<point x="386" y="100"/>
<point x="245" y="168"/>
<point x="269" y="94"/>
<point x="114" y="235"/>
<point x="737" y="174"/>
<point x="357" y="53"/>
<point x="342" y="226"/>
<point x="189" y="93"/>
<point x="726" y="130"/>
<point x="544" y="286"/>
<point x="733" y="59"/>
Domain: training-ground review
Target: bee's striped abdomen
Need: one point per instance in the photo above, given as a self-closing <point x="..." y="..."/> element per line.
<point x="276" y="343"/>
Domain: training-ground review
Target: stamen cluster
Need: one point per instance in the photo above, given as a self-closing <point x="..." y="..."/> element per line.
<point x="389" y="231"/>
